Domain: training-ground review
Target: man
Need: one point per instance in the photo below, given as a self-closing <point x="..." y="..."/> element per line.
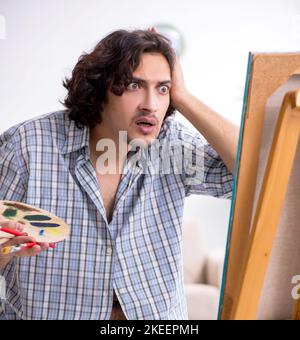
<point x="123" y="258"/>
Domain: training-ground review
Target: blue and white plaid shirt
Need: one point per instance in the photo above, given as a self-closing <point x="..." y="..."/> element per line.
<point x="45" y="162"/>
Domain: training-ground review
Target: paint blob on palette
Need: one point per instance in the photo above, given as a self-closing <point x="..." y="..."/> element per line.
<point x="38" y="223"/>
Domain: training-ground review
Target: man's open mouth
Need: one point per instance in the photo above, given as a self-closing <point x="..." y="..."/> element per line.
<point x="145" y="123"/>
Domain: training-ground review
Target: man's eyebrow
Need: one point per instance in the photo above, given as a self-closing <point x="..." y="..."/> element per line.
<point x="143" y="81"/>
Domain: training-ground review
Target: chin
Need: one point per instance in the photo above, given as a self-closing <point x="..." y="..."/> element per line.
<point x="142" y="140"/>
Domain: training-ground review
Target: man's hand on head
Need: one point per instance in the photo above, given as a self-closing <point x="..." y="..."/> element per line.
<point x="179" y="91"/>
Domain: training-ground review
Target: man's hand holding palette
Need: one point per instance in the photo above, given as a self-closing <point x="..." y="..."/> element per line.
<point x="39" y="224"/>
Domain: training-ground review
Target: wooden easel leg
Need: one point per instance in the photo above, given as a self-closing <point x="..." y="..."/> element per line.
<point x="296" y="105"/>
<point x="296" y="315"/>
<point x="272" y="195"/>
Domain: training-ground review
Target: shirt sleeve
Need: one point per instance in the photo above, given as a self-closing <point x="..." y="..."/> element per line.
<point x="12" y="184"/>
<point x="206" y="173"/>
<point x="12" y="188"/>
<point x="10" y="292"/>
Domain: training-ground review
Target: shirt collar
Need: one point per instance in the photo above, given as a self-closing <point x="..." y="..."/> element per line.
<point x="76" y="138"/>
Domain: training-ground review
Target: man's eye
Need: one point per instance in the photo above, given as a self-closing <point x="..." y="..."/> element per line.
<point x="133" y="86"/>
<point x="164" y="89"/>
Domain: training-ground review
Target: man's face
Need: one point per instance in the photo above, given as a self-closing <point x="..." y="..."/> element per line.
<point x="143" y="105"/>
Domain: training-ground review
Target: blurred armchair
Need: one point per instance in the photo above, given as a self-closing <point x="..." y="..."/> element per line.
<point x="202" y="271"/>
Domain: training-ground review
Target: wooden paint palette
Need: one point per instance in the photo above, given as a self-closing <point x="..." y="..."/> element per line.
<point x="39" y="224"/>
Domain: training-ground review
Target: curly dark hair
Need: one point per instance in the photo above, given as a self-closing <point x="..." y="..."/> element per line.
<point x="110" y="67"/>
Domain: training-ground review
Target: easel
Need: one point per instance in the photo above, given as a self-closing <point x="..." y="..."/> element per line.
<point x="267" y="214"/>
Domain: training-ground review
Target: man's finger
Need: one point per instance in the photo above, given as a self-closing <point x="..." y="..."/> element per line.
<point x="12" y="225"/>
<point x="33" y="251"/>
<point x="153" y="29"/>
<point x="17" y="240"/>
<point x="44" y="245"/>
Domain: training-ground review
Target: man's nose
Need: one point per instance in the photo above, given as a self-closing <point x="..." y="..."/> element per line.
<point x="149" y="103"/>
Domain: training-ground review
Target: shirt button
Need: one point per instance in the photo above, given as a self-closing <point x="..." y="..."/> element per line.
<point x="109" y="251"/>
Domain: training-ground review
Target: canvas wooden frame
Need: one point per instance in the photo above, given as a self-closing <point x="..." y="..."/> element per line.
<point x="251" y="239"/>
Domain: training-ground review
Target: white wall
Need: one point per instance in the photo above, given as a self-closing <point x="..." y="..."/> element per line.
<point x="40" y="42"/>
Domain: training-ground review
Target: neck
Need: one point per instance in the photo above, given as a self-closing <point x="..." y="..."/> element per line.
<point x="100" y="133"/>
